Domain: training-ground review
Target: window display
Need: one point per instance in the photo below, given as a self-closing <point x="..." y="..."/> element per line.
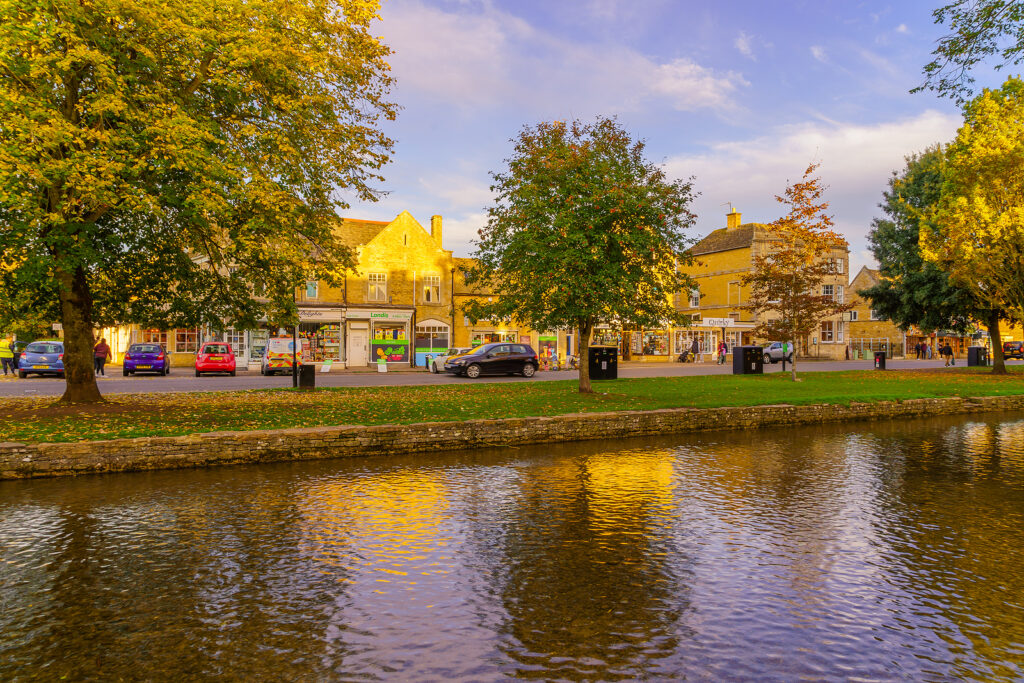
<point x="389" y="342"/>
<point x="655" y="343"/>
<point x="324" y="340"/>
<point x="430" y="340"/>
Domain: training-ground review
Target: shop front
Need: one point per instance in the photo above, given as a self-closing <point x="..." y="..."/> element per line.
<point x="320" y="329"/>
<point x="375" y="335"/>
<point x="432" y="339"/>
<point x="491" y="336"/>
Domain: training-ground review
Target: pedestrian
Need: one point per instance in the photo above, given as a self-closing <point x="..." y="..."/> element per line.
<point x="100" y="353"/>
<point x="695" y="349"/>
<point x="917" y="350"/>
<point x="947" y="353"/>
<point x="928" y="351"/>
<point x="7" y="355"/>
<point x="722" y="350"/>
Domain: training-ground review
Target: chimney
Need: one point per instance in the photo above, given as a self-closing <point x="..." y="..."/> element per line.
<point x="733" y="219"/>
<point x="435" y="229"/>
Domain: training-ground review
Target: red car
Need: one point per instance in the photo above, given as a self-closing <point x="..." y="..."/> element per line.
<point x="215" y="357"/>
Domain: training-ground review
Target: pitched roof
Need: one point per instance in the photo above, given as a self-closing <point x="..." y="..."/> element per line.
<point x="872" y="276"/>
<point x="724" y="239"/>
<point x="356" y="232"/>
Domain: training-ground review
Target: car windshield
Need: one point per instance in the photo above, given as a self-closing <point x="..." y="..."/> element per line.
<point x="43" y="347"/>
<point x="215" y="348"/>
<point x="145" y="348"/>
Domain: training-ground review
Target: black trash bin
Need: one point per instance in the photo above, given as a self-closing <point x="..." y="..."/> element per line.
<point x="879" y="360"/>
<point x="977" y="356"/>
<point x="747" y="360"/>
<point x="307" y="376"/>
<point x="603" y="362"/>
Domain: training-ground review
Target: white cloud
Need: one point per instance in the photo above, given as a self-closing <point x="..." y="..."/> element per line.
<point x="818" y="52"/>
<point x="743" y="43"/>
<point x="481" y="57"/>
<point x="902" y="28"/>
<point x="856" y="162"/>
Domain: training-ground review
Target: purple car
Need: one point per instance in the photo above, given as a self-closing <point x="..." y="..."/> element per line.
<point x="146" y="358"/>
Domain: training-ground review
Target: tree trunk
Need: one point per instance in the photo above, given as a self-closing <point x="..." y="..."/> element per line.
<point x="76" y="317"/>
<point x="586" y="329"/>
<point x="627" y="345"/>
<point x="998" y="362"/>
<point x="792" y="363"/>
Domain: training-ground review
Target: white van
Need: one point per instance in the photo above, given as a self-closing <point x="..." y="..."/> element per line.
<point x="277" y="357"/>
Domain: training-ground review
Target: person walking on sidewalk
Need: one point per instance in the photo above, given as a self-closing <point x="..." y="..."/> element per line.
<point x="695" y="350"/>
<point x="947" y="353"/>
<point x="7" y="355"/>
<point x="100" y="353"/>
<point x="722" y="350"/>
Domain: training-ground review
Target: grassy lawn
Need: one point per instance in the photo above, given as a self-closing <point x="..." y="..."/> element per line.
<point x="129" y="415"/>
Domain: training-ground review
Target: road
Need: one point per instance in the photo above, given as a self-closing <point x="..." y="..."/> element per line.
<point x="182" y="379"/>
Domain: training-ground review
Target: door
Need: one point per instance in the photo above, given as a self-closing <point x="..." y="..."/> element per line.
<point x="357" y="349"/>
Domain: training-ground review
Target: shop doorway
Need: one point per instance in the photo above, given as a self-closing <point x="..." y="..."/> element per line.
<point x="357" y="349"/>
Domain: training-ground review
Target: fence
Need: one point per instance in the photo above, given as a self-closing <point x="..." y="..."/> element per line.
<point x="866" y="347"/>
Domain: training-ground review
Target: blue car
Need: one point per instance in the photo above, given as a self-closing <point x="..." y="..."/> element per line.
<point x="42" y="358"/>
<point x="146" y="358"/>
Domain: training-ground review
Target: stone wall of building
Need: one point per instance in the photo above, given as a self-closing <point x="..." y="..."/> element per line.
<point x="18" y="461"/>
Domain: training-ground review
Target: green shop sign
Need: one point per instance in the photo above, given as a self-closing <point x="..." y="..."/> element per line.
<point x="543" y="338"/>
<point x="390" y="350"/>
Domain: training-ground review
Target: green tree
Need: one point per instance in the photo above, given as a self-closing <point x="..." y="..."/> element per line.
<point x="975" y="229"/>
<point x="158" y="157"/>
<point x="913" y="291"/>
<point x="786" y="282"/>
<point x="979" y="30"/>
<point x="584" y="230"/>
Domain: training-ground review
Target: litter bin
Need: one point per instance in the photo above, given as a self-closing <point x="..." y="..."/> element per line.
<point x="977" y="356"/>
<point x="307" y="376"/>
<point x="879" y="360"/>
<point x="747" y="360"/>
<point x="603" y="362"/>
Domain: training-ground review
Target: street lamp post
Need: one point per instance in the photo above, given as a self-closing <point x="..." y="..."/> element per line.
<point x="295" y="344"/>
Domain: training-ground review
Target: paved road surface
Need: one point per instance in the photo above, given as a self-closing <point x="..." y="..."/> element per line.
<point x="181" y="379"/>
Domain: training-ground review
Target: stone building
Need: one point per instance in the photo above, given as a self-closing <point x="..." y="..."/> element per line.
<point x="717" y="304"/>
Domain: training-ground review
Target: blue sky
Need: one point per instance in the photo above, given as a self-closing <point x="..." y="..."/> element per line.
<point x="740" y="94"/>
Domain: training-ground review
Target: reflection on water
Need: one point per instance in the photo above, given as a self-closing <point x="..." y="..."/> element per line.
<point x="877" y="551"/>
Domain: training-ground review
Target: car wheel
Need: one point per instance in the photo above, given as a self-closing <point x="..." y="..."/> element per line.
<point x="22" y="374"/>
<point x="473" y="371"/>
<point x="124" y="371"/>
<point x="60" y="375"/>
<point x="529" y="370"/>
<point x="768" y="358"/>
<point x="232" y="373"/>
<point x="433" y="368"/>
<point x="198" y="374"/>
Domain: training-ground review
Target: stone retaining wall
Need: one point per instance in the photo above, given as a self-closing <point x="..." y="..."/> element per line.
<point x="19" y="461"/>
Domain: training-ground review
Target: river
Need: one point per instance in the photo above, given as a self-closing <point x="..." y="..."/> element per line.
<point x="867" y="550"/>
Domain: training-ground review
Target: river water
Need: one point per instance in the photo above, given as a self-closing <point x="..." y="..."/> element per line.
<point x="877" y="551"/>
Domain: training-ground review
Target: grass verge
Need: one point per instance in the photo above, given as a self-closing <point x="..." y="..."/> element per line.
<point x="167" y="414"/>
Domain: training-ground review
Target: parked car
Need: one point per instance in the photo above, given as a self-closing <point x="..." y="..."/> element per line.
<point x="215" y="357"/>
<point x="42" y="358"/>
<point x="1013" y="349"/>
<point x="18" y="347"/>
<point x="436" y="364"/>
<point x="773" y="352"/>
<point x="146" y="358"/>
<point x="277" y="356"/>
<point x="503" y="358"/>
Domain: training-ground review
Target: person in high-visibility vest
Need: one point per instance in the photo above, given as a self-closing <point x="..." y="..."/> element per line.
<point x="7" y="355"/>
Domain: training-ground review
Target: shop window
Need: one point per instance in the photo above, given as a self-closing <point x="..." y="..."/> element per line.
<point x="322" y="340"/>
<point x="548" y="344"/>
<point x="154" y="337"/>
<point x="378" y="287"/>
<point x="432" y="289"/>
<point x="732" y="339"/>
<point x="257" y="343"/>
<point x="186" y="340"/>
<point x="826" y="334"/>
<point x="655" y="343"/>
<point x="390" y="342"/>
<point x="237" y="340"/>
<point x="430" y="339"/>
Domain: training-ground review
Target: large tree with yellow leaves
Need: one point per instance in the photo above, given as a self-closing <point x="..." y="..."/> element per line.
<point x="158" y="156"/>
<point x="975" y="231"/>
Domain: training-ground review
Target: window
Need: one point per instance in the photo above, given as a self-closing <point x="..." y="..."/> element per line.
<point x="853" y="316"/>
<point x="311" y="289"/>
<point x="839" y="331"/>
<point x="826" y="332"/>
<point x="154" y="337"/>
<point x="874" y="315"/>
<point x="432" y="289"/>
<point x="186" y="340"/>
<point x="237" y="340"/>
<point x="518" y="348"/>
<point x="828" y="291"/>
<point x="378" y="287"/>
<point x="839" y="294"/>
<point x="695" y="297"/>
<point x="837" y="265"/>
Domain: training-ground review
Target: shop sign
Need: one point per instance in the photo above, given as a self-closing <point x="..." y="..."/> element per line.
<point x="314" y="314"/>
<point x="718" y="322"/>
<point x="381" y="315"/>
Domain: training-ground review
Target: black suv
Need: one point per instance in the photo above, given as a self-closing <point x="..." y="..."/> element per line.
<point x="1013" y="350"/>
<point x="504" y="358"/>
